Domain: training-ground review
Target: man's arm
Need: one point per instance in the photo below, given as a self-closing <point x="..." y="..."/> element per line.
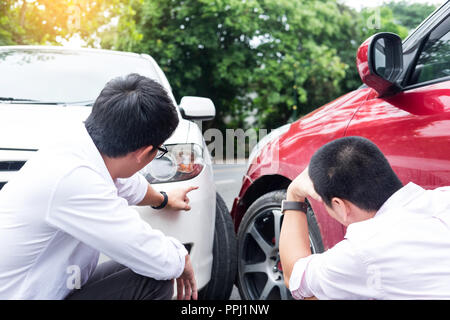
<point x="138" y="192"/>
<point x="132" y="190"/>
<point x="152" y="197"/>
<point x="294" y="237"/>
<point x="87" y="208"/>
<point x="294" y="241"/>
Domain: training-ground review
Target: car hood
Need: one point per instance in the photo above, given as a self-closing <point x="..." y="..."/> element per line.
<point x="28" y="126"/>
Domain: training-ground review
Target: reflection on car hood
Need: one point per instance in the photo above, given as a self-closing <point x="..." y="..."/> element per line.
<point x="28" y="126"/>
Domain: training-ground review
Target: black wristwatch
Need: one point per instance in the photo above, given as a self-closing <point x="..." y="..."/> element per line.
<point x="164" y="203"/>
<point x="294" y="205"/>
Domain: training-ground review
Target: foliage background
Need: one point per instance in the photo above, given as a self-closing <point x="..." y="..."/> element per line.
<point x="262" y="62"/>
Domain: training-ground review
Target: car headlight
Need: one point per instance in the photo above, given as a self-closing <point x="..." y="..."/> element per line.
<point x="181" y="162"/>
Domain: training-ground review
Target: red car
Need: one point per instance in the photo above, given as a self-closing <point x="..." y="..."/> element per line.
<point x="404" y="108"/>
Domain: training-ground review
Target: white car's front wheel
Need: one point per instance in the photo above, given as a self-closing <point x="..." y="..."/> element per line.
<point x="224" y="266"/>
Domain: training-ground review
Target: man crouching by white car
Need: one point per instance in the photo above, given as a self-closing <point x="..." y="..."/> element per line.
<point x="72" y="200"/>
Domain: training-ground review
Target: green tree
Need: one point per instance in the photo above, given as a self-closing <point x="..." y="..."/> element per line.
<point x="379" y="19"/>
<point x="397" y="17"/>
<point x="368" y="22"/>
<point x="410" y="15"/>
<point x="299" y="67"/>
<point x="265" y="56"/>
<point x="47" y="21"/>
<point x="273" y="59"/>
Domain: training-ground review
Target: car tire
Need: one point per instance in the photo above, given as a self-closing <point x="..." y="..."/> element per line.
<point x="224" y="265"/>
<point x="260" y="275"/>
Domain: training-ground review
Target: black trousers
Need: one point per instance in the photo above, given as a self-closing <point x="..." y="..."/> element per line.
<point x="113" y="281"/>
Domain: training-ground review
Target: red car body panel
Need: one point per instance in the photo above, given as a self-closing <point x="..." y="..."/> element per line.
<point x="411" y="128"/>
<point x="290" y="154"/>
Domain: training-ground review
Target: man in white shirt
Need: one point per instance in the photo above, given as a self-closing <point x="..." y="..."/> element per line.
<point x="397" y="244"/>
<point x="72" y="200"/>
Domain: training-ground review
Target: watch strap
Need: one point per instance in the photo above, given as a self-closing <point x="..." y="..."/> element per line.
<point x="164" y="203"/>
<point x="294" y="205"/>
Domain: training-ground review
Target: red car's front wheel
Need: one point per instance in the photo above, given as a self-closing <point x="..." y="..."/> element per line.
<point x="260" y="275"/>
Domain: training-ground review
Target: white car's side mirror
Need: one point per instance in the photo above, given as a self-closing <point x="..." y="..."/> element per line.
<point x="197" y="108"/>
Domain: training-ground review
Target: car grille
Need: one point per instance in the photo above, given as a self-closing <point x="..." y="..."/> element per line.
<point x="8" y="166"/>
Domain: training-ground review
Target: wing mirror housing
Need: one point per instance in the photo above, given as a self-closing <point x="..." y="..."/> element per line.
<point x="197" y="108"/>
<point x="380" y="62"/>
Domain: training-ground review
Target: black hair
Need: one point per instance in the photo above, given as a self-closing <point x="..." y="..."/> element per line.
<point x="131" y="112"/>
<point x="354" y="169"/>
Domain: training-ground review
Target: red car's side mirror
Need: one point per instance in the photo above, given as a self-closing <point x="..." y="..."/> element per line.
<point x="380" y="62"/>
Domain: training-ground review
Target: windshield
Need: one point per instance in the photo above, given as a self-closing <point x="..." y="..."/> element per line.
<point x="63" y="76"/>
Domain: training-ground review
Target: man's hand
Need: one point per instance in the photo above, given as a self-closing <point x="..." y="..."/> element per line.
<point x="186" y="283"/>
<point x="301" y="188"/>
<point x="178" y="199"/>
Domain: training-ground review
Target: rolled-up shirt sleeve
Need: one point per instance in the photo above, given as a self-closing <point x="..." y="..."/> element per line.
<point x="89" y="209"/>
<point x="338" y="273"/>
<point x="299" y="289"/>
<point x="132" y="189"/>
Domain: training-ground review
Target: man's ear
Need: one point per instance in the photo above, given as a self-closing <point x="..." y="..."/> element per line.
<point x="341" y="209"/>
<point x="143" y="153"/>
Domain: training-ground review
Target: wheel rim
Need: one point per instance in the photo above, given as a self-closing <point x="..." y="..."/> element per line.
<point x="260" y="272"/>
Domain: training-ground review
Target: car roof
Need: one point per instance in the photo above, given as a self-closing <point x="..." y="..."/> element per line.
<point x="70" y="49"/>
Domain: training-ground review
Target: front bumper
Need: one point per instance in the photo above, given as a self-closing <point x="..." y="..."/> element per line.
<point x="194" y="228"/>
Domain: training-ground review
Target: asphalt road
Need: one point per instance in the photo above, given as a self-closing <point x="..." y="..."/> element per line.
<point x="228" y="179"/>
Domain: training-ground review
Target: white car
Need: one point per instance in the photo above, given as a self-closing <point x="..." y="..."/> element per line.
<point x="45" y="91"/>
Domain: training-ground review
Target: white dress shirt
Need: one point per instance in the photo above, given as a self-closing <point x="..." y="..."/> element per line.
<point x="403" y="252"/>
<point x="60" y="210"/>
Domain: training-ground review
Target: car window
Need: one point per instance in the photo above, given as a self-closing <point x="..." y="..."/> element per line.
<point x="64" y="76"/>
<point x="434" y="60"/>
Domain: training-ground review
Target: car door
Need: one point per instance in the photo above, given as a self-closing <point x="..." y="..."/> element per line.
<point x="412" y="127"/>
